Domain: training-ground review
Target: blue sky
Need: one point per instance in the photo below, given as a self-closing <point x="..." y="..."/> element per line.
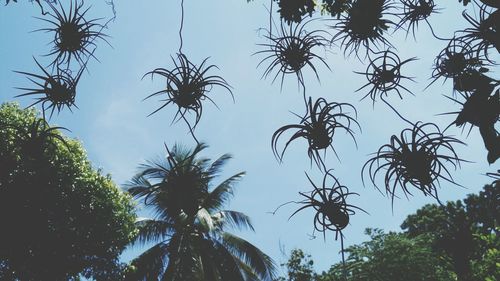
<point x="111" y="120"/>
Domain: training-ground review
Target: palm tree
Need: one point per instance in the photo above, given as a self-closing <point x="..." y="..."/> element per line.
<point x="189" y="224"/>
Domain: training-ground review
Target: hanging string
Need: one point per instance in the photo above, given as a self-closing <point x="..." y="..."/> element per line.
<point x="191" y="129"/>
<point x="301" y="83"/>
<point x="434" y="34"/>
<point x="343" y="256"/>
<point x="270" y="18"/>
<point x="41" y="7"/>
<point x="113" y="8"/>
<point x="182" y="25"/>
<point x="400" y="116"/>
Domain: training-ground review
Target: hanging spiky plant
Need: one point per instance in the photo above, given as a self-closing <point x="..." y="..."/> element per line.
<point x="74" y="36"/>
<point x="364" y="26"/>
<point x="484" y="31"/>
<point x="291" y="50"/>
<point x="384" y="75"/>
<point x="187" y="87"/>
<point x="415" y="11"/>
<point x="57" y="90"/>
<point x="417" y="158"/>
<point x="318" y="127"/>
<point x="457" y="61"/>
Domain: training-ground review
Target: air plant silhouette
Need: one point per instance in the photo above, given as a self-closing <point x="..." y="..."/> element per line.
<point x="187" y="87"/>
<point x="291" y="50"/>
<point x="417" y="158"/>
<point x="74" y="36"/>
<point x="415" y="11"/>
<point x="457" y="61"/>
<point x="478" y="109"/>
<point x="364" y="25"/>
<point x="483" y="34"/>
<point x="329" y="201"/>
<point x="318" y="127"/>
<point x="384" y="75"/>
<point x="58" y="90"/>
<point x="294" y="11"/>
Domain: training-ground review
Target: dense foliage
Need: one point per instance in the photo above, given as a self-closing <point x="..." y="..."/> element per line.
<point x="60" y="217"/>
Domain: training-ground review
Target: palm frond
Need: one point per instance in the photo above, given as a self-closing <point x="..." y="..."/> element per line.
<point x="214" y="169"/>
<point x="222" y="193"/>
<point x="226" y="263"/>
<point x="234" y="220"/>
<point x="153" y="231"/>
<point x="149" y="265"/>
<point x="261" y="263"/>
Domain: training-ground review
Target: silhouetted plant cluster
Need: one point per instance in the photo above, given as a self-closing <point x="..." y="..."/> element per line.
<point x="74" y="39"/>
<point x="361" y="27"/>
<point x="422" y="155"/>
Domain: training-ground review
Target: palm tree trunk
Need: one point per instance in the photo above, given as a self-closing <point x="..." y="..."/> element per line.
<point x="175" y="247"/>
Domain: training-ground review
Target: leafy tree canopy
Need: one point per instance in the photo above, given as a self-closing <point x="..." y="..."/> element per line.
<point x="61" y="218"/>
<point x="386" y="256"/>
<point x="455" y="229"/>
<point x="299" y="267"/>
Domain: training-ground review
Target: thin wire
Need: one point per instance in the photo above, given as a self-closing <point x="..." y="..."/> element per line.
<point x="343" y="256"/>
<point x="113" y="8"/>
<point x="400" y="116"/>
<point x="182" y="25"/>
<point x="191" y="129"/>
<point x="271" y="19"/>
<point x="434" y="34"/>
<point x="301" y="83"/>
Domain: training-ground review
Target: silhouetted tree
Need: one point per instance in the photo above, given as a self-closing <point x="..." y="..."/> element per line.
<point x="391" y="257"/>
<point x="454" y="228"/>
<point x="299" y="267"/>
<point x="385" y="257"/>
<point x="190" y="224"/>
<point x="60" y="217"/>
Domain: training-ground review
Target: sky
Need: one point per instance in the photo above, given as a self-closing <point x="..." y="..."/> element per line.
<point x="112" y="124"/>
